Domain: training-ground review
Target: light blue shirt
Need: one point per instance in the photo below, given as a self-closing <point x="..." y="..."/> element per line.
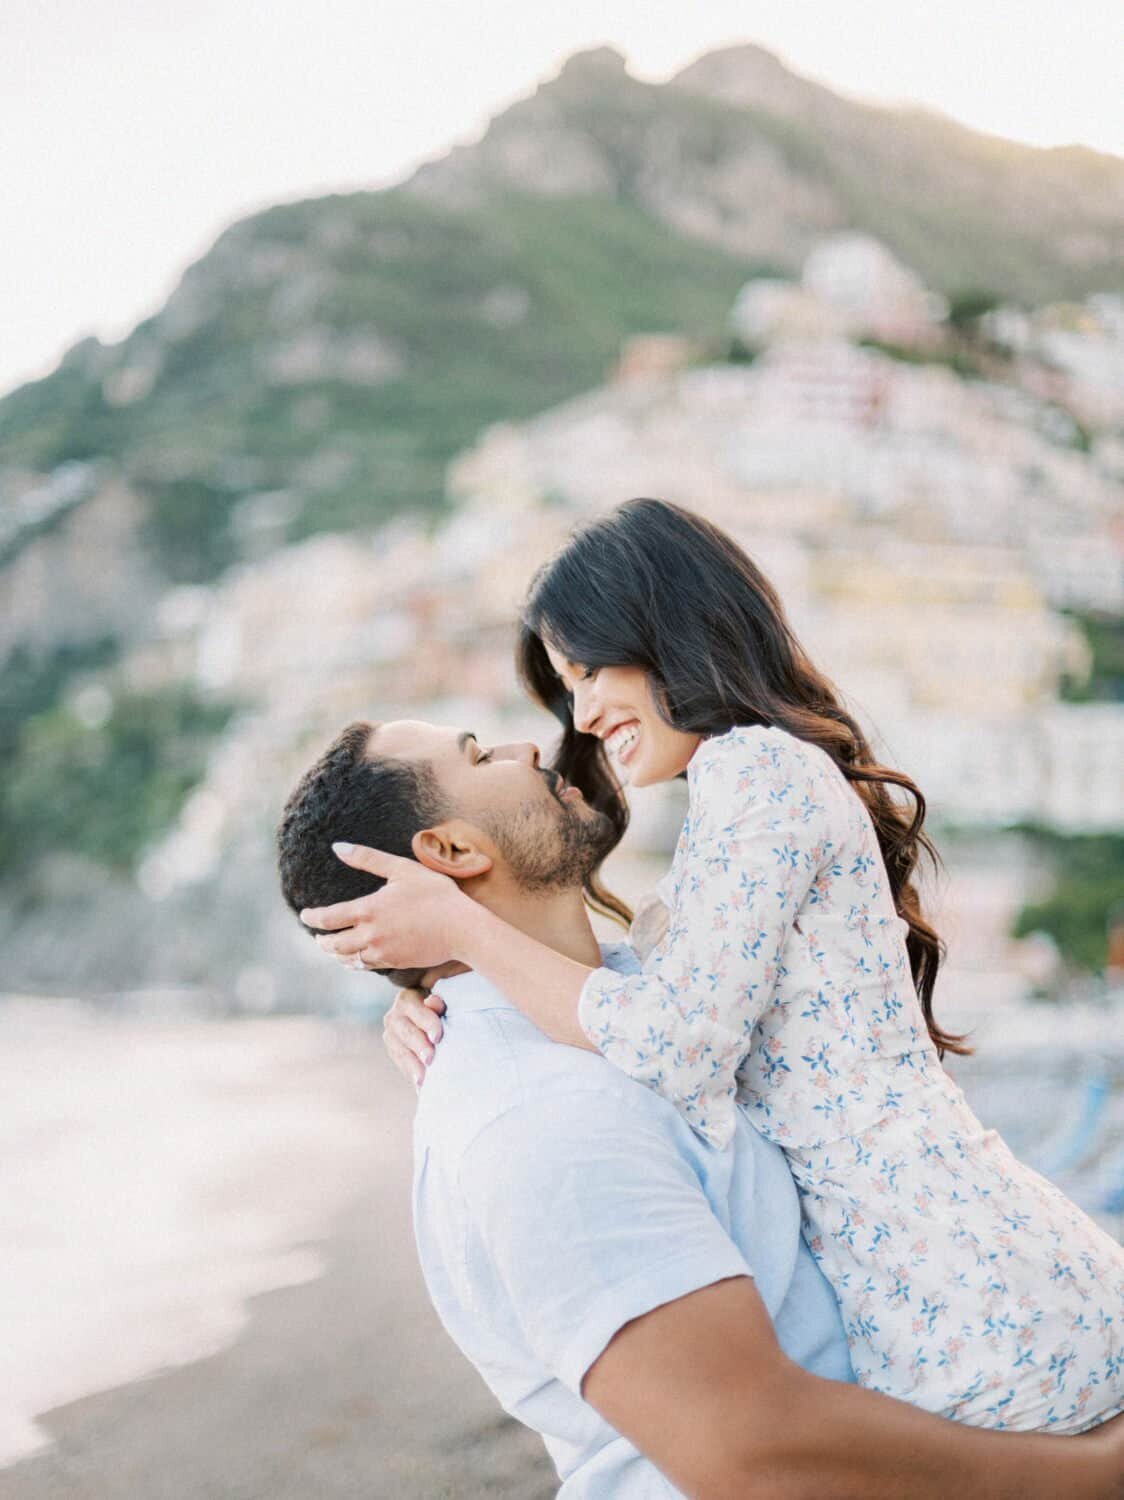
<point x="555" y="1200"/>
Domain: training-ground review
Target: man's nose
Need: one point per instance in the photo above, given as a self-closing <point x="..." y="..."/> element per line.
<point x="524" y="751"/>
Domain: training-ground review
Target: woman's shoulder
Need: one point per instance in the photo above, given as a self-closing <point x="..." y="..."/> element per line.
<point x="749" y="750"/>
<point x="760" y="763"/>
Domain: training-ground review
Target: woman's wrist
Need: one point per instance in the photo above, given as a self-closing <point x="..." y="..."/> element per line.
<point x="465" y="917"/>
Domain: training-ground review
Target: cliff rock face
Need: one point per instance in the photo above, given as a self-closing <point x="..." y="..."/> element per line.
<point x="89" y="577"/>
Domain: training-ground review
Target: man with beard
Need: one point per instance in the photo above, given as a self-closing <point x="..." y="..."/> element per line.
<point x="643" y="1300"/>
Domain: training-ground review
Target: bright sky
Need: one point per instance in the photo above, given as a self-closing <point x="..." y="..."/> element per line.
<point x="133" y="131"/>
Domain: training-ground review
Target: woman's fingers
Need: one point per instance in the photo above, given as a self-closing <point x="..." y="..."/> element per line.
<point x="345" y="944"/>
<point x="411" y="1007"/>
<point x="343" y="914"/>
<point x="405" y="1061"/>
<point x="411" y="1032"/>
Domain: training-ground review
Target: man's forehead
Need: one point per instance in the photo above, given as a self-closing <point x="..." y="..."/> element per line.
<point x="406" y="739"/>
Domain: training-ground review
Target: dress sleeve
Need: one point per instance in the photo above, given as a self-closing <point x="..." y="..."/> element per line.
<point x="762" y="825"/>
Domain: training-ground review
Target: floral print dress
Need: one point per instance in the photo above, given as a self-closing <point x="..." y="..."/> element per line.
<point x="969" y="1285"/>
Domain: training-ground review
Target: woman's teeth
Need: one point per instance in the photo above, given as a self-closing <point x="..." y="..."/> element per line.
<point x="621" y="741"/>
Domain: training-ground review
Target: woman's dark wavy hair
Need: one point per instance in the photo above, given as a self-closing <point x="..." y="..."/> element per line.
<point x="651" y="585"/>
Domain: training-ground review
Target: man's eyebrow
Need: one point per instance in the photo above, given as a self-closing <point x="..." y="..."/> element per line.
<point x="463" y="739"/>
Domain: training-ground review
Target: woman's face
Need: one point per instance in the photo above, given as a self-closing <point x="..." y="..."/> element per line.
<point x="616" y="704"/>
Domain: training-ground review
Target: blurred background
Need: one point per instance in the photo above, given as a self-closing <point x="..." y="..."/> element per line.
<point x="318" y="332"/>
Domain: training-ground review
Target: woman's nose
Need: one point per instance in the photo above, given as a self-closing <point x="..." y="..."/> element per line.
<point x="586" y="710"/>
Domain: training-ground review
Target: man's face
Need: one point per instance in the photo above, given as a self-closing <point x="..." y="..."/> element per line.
<point x="525" y="817"/>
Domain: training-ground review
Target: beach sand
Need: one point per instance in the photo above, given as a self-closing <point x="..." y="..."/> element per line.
<point x="342" y="1386"/>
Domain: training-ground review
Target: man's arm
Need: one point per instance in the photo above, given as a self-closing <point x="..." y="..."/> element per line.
<point x="702" y="1388"/>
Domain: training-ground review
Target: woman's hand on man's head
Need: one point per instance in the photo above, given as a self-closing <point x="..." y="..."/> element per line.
<point x="412" y="922"/>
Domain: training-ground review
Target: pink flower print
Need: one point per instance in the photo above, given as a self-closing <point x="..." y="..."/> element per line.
<point x="917" y="1325"/>
<point x="953" y="1349"/>
<point x="920" y="1247"/>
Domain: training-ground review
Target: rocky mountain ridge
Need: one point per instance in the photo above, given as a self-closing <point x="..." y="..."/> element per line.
<point x="739" y="151"/>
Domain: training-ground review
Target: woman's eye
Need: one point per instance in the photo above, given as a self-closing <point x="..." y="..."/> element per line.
<point x="590" y="672"/>
<point x="484" y="755"/>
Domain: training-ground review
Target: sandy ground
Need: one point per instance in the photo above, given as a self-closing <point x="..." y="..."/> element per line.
<point x="208" y="1287"/>
<point x="344" y="1385"/>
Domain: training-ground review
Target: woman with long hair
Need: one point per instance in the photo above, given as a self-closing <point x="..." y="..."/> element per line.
<point x="794" y="976"/>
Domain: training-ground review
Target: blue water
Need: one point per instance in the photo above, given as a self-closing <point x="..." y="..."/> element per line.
<point x="1060" y="1107"/>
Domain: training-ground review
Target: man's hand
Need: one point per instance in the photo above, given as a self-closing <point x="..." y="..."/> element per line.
<point x="411" y="923"/>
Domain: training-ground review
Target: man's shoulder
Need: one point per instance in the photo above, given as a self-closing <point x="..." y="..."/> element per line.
<point x="495" y="1073"/>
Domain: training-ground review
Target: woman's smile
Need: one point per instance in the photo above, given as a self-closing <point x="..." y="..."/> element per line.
<point x="621" y="743"/>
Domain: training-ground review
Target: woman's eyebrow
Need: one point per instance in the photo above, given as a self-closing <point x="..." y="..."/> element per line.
<point x="463" y="739"/>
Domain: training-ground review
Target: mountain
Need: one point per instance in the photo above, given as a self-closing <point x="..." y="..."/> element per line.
<point x="739" y="152"/>
<point x="331" y="355"/>
<point x="319" y="367"/>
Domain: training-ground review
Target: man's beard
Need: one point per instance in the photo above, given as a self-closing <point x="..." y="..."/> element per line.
<point x="546" y="853"/>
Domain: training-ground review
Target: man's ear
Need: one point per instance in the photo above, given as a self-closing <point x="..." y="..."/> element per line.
<point x="450" y="850"/>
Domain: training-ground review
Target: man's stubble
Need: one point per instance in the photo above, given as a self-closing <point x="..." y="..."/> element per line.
<point x="548" y="854"/>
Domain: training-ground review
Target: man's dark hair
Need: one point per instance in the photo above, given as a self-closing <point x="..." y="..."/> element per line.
<point x="348" y="795"/>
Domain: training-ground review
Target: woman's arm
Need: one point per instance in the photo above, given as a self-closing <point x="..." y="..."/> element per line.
<point x="426" y="915"/>
<point x="759" y="839"/>
<point x="545" y="985"/>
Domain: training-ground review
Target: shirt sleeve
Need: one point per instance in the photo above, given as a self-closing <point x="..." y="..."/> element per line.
<point x="762" y="826"/>
<point x="591" y="1226"/>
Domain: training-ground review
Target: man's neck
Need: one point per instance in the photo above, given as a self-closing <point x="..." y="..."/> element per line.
<point x="560" y="920"/>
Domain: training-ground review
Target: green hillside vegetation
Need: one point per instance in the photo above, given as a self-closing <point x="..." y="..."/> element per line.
<point x="101" y="790"/>
<point x="1105" y="680"/>
<point x="1088" y="887"/>
<point x="414" y="275"/>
